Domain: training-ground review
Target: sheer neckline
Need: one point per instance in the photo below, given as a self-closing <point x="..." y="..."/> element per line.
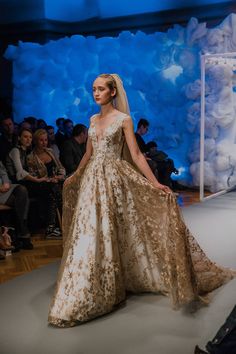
<point x="102" y="135"/>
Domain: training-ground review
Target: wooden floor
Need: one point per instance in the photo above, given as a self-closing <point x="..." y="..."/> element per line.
<point x="48" y="251"/>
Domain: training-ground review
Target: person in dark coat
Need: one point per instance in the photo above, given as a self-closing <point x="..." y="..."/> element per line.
<point x="60" y="135"/>
<point x="74" y="148"/>
<point x="164" y="165"/>
<point x="8" y="138"/>
<point x="16" y="196"/>
<point x="142" y="129"/>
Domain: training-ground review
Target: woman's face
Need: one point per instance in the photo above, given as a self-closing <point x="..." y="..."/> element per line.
<point x="25" y="139"/>
<point x="42" y="141"/>
<point x="101" y="92"/>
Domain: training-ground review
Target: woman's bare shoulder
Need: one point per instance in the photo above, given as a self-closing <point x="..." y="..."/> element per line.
<point x="92" y="120"/>
<point x="93" y="117"/>
<point x="122" y="116"/>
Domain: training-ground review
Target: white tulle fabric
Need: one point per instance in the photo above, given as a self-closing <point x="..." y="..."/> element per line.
<point x="120" y="102"/>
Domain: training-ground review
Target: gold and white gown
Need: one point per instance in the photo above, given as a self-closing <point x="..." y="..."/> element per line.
<point x="122" y="234"/>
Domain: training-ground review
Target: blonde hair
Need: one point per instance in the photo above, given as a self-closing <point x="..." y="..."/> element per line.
<point x="111" y="82"/>
<point x="120" y="100"/>
<point x="38" y="133"/>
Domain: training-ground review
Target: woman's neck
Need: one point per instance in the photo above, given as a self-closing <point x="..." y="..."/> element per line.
<point x="38" y="151"/>
<point x="106" y="109"/>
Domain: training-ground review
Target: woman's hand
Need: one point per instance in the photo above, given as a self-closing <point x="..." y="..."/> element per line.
<point x="69" y="180"/>
<point x="60" y="177"/>
<point x="164" y="188"/>
<point x="55" y="179"/>
<point x="42" y="179"/>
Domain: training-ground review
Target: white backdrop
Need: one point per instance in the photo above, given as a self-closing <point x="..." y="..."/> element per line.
<point x="218" y="123"/>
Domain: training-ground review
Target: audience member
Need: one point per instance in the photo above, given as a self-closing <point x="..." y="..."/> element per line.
<point x="43" y="163"/>
<point x="142" y="129"/>
<point x="38" y="184"/>
<point x="74" y="148"/>
<point x="52" y="141"/>
<point x="25" y="125"/>
<point x="7" y="139"/>
<point x="68" y="128"/>
<point x="16" y="161"/>
<point x="60" y="137"/>
<point x="164" y="165"/>
<point x="42" y="159"/>
<point x="64" y="132"/>
<point x="16" y="196"/>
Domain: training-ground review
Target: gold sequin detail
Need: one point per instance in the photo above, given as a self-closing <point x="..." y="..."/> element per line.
<point x="122" y="234"/>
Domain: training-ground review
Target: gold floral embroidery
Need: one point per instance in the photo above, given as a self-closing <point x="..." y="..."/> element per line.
<point x="122" y="234"/>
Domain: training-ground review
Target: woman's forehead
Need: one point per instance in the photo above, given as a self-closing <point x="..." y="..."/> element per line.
<point x="100" y="81"/>
<point x="25" y="133"/>
<point x="41" y="136"/>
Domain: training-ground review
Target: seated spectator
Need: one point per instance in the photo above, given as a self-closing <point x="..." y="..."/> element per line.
<point x="34" y="176"/>
<point x="74" y="148"/>
<point x="42" y="161"/>
<point x="16" y="196"/>
<point x="60" y="137"/>
<point x="164" y="165"/>
<point x="52" y="141"/>
<point x="8" y="139"/>
<point x="16" y="162"/>
<point x="142" y="129"/>
<point x="44" y="164"/>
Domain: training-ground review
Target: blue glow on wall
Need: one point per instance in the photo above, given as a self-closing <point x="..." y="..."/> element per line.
<point x="160" y="72"/>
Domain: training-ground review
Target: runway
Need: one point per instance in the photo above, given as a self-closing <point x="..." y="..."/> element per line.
<point x="146" y="324"/>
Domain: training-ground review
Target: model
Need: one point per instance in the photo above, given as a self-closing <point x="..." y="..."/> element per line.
<point x="123" y="230"/>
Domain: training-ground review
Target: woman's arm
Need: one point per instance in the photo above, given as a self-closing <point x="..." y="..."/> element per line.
<point x="35" y="179"/>
<point x="22" y="174"/>
<point x="61" y="172"/>
<point x="137" y="156"/>
<point x="15" y="157"/>
<point x="87" y="155"/>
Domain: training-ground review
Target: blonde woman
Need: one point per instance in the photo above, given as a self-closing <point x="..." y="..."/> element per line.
<point x="123" y="231"/>
<point x="42" y="163"/>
